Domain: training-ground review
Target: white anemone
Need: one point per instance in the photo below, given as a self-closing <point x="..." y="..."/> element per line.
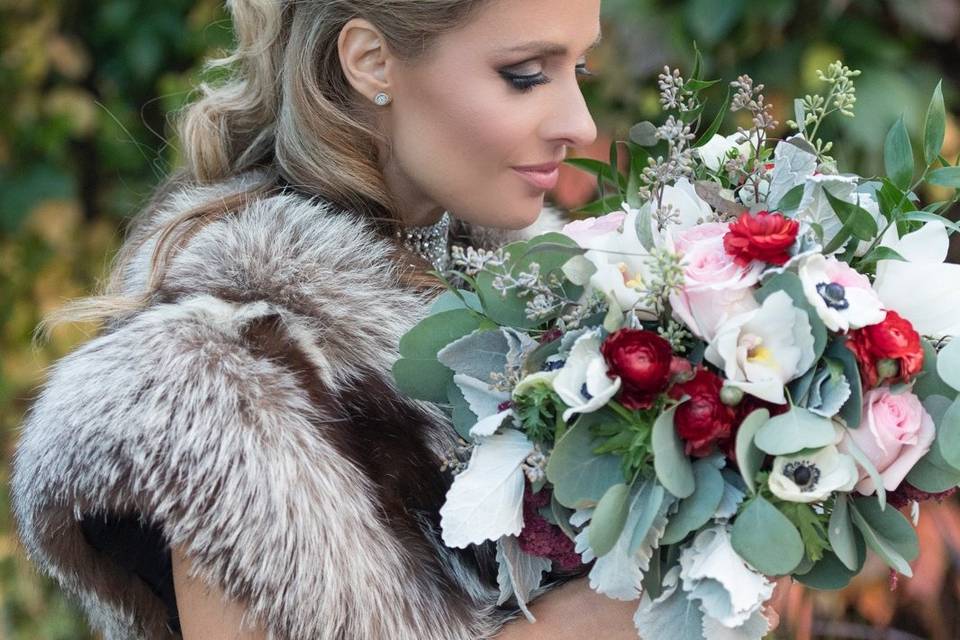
<point x="583" y="383"/>
<point x="812" y="477"/>
<point x="842" y="297"/>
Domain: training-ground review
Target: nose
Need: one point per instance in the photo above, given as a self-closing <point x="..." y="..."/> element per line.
<point x="569" y="121"/>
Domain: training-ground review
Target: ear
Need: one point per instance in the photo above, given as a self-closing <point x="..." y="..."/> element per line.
<point x="364" y="57"/>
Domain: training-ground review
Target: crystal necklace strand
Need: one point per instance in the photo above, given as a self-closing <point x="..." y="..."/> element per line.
<point x="429" y="241"/>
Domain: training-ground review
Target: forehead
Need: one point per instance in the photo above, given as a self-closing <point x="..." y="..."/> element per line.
<point x="563" y="26"/>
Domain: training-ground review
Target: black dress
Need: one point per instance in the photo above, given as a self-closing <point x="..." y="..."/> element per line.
<point x="140" y="548"/>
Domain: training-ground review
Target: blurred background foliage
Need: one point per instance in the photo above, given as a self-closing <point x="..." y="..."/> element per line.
<point x="88" y="89"/>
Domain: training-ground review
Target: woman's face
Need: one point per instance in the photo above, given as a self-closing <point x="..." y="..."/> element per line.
<point x="479" y="125"/>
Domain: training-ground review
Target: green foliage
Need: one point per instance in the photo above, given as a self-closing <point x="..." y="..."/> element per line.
<point x="539" y="413"/>
<point x="672" y="465"/>
<point x="767" y="539"/>
<point x="580" y="478"/>
<point x="812" y="528"/>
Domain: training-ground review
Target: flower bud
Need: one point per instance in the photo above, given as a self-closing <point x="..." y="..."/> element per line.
<point x="731" y="396"/>
<point x="888" y="368"/>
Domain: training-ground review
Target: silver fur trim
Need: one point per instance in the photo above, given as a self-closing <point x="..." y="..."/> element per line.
<point x="173" y="416"/>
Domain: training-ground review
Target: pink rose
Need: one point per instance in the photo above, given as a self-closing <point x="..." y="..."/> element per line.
<point x="896" y="431"/>
<point x="583" y="231"/>
<point x="715" y="286"/>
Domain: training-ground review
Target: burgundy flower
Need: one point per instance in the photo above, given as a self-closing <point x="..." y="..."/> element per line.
<point x="907" y="492"/>
<point x="643" y="361"/>
<point x="703" y="422"/>
<point x="893" y="339"/>
<point x="765" y="236"/>
<point x="543" y="539"/>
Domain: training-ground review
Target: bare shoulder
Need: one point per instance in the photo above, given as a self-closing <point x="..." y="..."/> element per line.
<point x="206" y="611"/>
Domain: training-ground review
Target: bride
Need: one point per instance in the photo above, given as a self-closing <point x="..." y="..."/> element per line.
<point x="229" y="458"/>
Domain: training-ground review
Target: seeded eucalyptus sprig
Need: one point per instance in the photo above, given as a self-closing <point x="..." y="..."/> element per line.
<point x="812" y="110"/>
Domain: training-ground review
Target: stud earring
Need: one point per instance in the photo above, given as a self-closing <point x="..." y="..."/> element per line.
<point x="382" y="99"/>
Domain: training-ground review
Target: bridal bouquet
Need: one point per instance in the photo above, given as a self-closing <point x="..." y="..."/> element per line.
<point x="741" y="367"/>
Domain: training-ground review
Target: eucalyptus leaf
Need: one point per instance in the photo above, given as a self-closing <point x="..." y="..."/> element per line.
<point x="898" y="155"/>
<point x="579" y="270"/>
<point x="644" y="227"/>
<point x="579" y="476"/>
<point x="608" y="519"/>
<point x="644" y="134"/>
<point x="652" y="500"/>
<point x="887" y="533"/>
<point x="670" y="462"/>
<point x="766" y="539"/>
<point x="929" y="383"/>
<point x="934" y="126"/>
<point x="463" y="418"/>
<point x="749" y="457"/>
<point x="793" y="431"/>
<point x="948" y="435"/>
<point x="829" y="573"/>
<point x="453" y="300"/>
<point x="696" y="511"/>
<point x="945" y="177"/>
<point x="841" y="534"/>
<point x="551" y="251"/>
<point x="854" y="450"/>
<point x="948" y="364"/>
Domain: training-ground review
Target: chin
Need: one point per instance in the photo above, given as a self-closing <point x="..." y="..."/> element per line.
<point x="521" y="214"/>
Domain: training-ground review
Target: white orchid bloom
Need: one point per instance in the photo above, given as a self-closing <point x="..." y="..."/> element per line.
<point x="583" y="383"/>
<point x="716" y="151"/>
<point x="843" y="298"/>
<point x="812" y="477"/>
<point x="621" y="263"/>
<point x="923" y="289"/>
<point x="761" y="350"/>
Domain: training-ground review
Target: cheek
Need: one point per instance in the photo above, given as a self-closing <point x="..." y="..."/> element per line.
<point x="456" y="144"/>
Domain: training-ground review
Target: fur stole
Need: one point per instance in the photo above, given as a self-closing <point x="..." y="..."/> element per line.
<point x="251" y="413"/>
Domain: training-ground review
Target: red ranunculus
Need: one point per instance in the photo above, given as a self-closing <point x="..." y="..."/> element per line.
<point x="703" y="422"/>
<point x="642" y="360"/>
<point x="765" y="236"/>
<point x="893" y="339"/>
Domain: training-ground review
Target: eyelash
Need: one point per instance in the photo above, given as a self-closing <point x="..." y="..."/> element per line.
<point x="525" y="83"/>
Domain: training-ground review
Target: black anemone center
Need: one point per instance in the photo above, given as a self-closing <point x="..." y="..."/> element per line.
<point x="804" y="474"/>
<point x="586" y="394"/>
<point x="834" y="295"/>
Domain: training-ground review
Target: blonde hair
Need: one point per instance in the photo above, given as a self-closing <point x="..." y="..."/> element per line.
<point x="287" y="110"/>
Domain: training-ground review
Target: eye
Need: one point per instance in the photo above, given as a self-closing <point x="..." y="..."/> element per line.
<point x="526" y="82"/>
<point x="583" y="71"/>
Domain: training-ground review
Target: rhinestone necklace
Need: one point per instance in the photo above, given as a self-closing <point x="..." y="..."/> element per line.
<point x="429" y="241"/>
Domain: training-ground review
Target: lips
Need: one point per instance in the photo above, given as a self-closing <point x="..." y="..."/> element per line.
<point x="541" y="176"/>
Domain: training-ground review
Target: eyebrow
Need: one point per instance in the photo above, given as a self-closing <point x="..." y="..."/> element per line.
<point x="546" y="48"/>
